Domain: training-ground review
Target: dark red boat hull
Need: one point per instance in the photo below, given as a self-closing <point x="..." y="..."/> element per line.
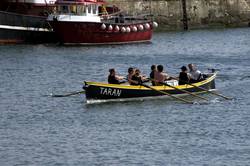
<point x="19" y="28"/>
<point x="91" y="33"/>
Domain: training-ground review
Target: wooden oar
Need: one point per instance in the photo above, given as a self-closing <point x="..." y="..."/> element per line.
<point x="69" y="94"/>
<point x="185" y="91"/>
<point x="165" y="93"/>
<point x="217" y="94"/>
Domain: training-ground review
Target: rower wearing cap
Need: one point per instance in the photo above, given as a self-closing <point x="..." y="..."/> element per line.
<point x="184" y="76"/>
<point x="152" y="74"/>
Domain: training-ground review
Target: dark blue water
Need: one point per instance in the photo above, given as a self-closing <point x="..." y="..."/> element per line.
<point x="36" y="129"/>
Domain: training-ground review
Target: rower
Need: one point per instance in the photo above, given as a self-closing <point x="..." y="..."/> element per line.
<point x="113" y="78"/>
<point x="152" y="74"/>
<point x="137" y="78"/>
<point x="131" y="72"/>
<point x="195" y="74"/>
<point x="183" y="76"/>
<point x="160" y="76"/>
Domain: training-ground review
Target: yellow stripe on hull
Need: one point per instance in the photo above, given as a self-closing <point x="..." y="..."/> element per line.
<point x="138" y="87"/>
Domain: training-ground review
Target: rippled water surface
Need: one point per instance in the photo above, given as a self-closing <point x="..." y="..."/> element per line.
<point x="36" y="129"/>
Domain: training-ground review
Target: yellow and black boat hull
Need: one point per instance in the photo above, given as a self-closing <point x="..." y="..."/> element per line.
<point x="104" y="91"/>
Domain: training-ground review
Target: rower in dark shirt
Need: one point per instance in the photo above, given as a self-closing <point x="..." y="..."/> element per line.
<point x="152" y="74"/>
<point x="137" y="78"/>
<point x="113" y="78"/>
<point x="183" y="76"/>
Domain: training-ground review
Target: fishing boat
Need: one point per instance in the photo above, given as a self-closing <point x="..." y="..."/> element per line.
<point x="89" y="22"/>
<point x="24" y="21"/>
<point x="105" y="91"/>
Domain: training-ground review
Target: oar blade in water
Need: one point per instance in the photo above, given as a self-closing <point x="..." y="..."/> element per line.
<point x="68" y="94"/>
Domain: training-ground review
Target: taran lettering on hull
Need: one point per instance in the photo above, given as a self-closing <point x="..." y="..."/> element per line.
<point x="110" y="92"/>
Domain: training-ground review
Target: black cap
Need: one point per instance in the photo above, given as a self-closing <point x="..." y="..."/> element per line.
<point x="184" y="68"/>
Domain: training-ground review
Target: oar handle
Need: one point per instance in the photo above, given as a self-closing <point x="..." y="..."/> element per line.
<point x="225" y="97"/>
<point x="186" y="101"/>
<point x="180" y="89"/>
<point x="185" y="91"/>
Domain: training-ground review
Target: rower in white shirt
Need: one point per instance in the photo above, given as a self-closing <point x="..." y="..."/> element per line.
<point x="194" y="74"/>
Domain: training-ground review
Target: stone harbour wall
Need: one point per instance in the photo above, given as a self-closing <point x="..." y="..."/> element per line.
<point x="200" y="13"/>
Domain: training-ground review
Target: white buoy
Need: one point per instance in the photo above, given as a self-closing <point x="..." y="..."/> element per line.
<point x="134" y="29"/>
<point x="110" y="28"/>
<point x="103" y="26"/>
<point x="155" y="24"/>
<point x="128" y="29"/>
<point x="117" y="28"/>
<point x="147" y="26"/>
<point x="140" y="27"/>
<point x="123" y="29"/>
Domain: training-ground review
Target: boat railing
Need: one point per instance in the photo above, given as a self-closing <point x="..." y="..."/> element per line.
<point x="128" y="22"/>
<point x="121" y="19"/>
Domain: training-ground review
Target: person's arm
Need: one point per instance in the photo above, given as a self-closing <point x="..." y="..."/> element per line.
<point x="132" y="81"/>
<point x="119" y="77"/>
<point x="191" y="76"/>
<point x="136" y="80"/>
<point x="199" y="75"/>
<point x="144" y="78"/>
<point x="167" y="77"/>
<point x="129" y="78"/>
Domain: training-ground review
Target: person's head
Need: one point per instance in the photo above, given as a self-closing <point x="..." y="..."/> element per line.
<point x="131" y="70"/>
<point x="160" y="68"/>
<point x="191" y="66"/>
<point x="112" y="71"/>
<point x="137" y="72"/>
<point x="183" y="68"/>
<point x="153" y="67"/>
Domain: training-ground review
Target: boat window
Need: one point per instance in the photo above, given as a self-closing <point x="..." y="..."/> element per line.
<point x="94" y="7"/>
<point x="64" y="9"/>
<point x="55" y="9"/>
<point x="73" y="9"/>
<point x="89" y="9"/>
<point x="81" y="10"/>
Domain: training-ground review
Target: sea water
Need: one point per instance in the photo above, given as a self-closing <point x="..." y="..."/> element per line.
<point x="37" y="129"/>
